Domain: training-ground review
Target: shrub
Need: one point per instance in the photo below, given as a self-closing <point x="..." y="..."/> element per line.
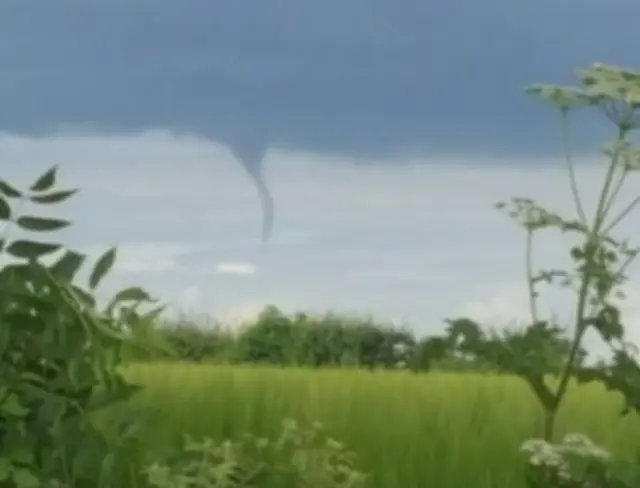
<point x="299" y="458"/>
<point x="59" y="354"/>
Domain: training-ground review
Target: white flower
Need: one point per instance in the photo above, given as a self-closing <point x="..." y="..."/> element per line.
<point x="533" y="445"/>
<point x="577" y="439"/>
<point x="542" y="453"/>
<point x="582" y="446"/>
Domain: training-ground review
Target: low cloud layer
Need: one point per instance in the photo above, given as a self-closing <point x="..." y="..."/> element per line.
<point x="411" y="241"/>
<point x="237" y="269"/>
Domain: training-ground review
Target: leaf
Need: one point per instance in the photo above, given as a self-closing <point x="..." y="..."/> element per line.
<point x="31" y="249"/>
<point x="27" y="321"/>
<point x="107" y="465"/>
<point x="134" y="293"/>
<point x="607" y="323"/>
<point x="39" y="224"/>
<point x="5" y="210"/>
<point x="9" y="191"/>
<point x="83" y="297"/>
<point x="11" y="406"/>
<point x="153" y="314"/>
<point x="5" y="468"/>
<point x="24" y="478"/>
<point x="102" y="267"/>
<point x="120" y="392"/>
<point x="20" y="453"/>
<point x="137" y="322"/>
<point x="54" y="197"/>
<point x="130" y="424"/>
<point x="68" y="265"/>
<point x="45" y="181"/>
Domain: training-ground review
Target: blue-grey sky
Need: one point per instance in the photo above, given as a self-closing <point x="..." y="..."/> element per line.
<point x="388" y="129"/>
<point x="354" y="76"/>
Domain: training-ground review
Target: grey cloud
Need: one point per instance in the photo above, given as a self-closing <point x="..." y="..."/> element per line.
<point x="340" y="76"/>
<point x="356" y="77"/>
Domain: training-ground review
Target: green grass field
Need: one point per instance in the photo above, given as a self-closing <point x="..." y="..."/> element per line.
<point x="409" y="431"/>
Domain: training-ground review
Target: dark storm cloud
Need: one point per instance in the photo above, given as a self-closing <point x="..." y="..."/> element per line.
<point x="360" y="77"/>
<point x="354" y="76"/>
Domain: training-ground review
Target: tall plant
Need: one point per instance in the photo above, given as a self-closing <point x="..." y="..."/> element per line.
<point x="600" y="260"/>
<point x="59" y="353"/>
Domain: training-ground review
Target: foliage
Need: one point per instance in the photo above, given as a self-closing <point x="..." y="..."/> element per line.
<point x="189" y="341"/>
<point x="600" y="260"/>
<point x="59" y="354"/>
<point x="313" y="460"/>
<point x="329" y="340"/>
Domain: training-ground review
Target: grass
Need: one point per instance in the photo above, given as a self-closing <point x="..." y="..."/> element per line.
<point x="409" y="431"/>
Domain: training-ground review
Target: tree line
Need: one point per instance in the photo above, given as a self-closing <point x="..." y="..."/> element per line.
<point x="329" y="340"/>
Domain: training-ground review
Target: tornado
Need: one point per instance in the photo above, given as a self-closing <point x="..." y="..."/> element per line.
<point x="251" y="156"/>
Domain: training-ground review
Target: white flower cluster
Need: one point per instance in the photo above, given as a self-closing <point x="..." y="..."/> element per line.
<point x="555" y="457"/>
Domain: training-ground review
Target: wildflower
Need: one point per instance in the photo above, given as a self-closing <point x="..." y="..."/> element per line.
<point x="334" y="444"/>
<point x="542" y="453"/>
<point x="582" y="446"/>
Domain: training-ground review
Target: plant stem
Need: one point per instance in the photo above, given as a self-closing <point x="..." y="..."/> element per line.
<point x="570" y="168"/>
<point x="549" y="424"/>
<point x="622" y="215"/>
<point x="612" y="198"/>
<point x="530" y="283"/>
<point x="580" y="328"/>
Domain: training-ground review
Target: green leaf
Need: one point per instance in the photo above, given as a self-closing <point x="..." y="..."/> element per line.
<point x="54" y="197"/>
<point x="20" y="454"/>
<point x="26" y="321"/>
<point x="5" y="209"/>
<point x="153" y="314"/>
<point x="102" y="267"/>
<point x="11" y="406"/>
<point x="23" y="478"/>
<point x="68" y="265"/>
<point x="6" y="467"/>
<point x="107" y="465"/>
<point x="45" y="181"/>
<point x="129" y="427"/>
<point x="31" y="249"/>
<point x="120" y="392"/>
<point x="134" y="293"/>
<point x="9" y="191"/>
<point x="83" y="297"/>
<point x="39" y="224"/>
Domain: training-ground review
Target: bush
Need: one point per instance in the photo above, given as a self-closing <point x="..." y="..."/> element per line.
<point x="59" y="354"/>
<point x="298" y="458"/>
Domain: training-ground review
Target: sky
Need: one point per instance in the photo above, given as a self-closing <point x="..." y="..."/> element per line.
<point x="385" y="132"/>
